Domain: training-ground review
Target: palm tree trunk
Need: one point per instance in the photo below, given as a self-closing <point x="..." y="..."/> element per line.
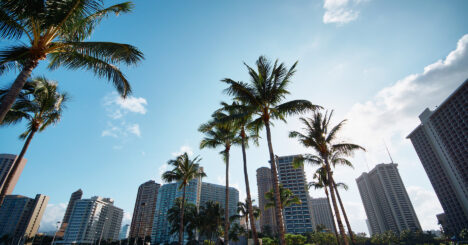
<point x="181" y="225"/>
<point x="249" y="198"/>
<point x="335" y="206"/>
<point x="333" y="218"/>
<point x="226" y="205"/>
<point x="16" y="87"/>
<point x="351" y="235"/>
<point x="274" y="175"/>
<point x="15" y="166"/>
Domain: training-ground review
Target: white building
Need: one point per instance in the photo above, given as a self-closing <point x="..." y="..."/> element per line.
<point x="92" y="220"/>
<point x="322" y="213"/>
<point x="386" y="201"/>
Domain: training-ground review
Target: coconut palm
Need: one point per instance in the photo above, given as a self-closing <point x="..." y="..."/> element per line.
<point x="287" y="198"/>
<point x="243" y="212"/>
<point x="240" y="115"/>
<point x="329" y="150"/>
<point x="184" y="170"/>
<point x="265" y="95"/>
<point x="41" y="104"/>
<point x="210" y="219"/>
<point x="190" y="218"/>
<point x="221" y="135"/>
<point x="56" y="29"/>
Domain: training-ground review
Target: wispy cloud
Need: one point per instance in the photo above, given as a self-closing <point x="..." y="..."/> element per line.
<point x="182" y="150"/>
<point x="340" y="11"/>
<point x="425" y="204"/>
<point x="117" y="108"/>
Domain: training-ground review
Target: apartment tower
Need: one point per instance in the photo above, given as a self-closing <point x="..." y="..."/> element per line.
<point x="265" y="184"/>
<point x="322" y="213"/>
<point x="441" y="142"/>
<point x="298" y="218"/>
<point x="6" y="162"/>
<point x="217" y="193"/>
<point x="21" y="216"/>
<point x="66" y="218"/>
<point x="143" y="213"/>
<point x="386" y="201"/>
<point x="92" y="220"/>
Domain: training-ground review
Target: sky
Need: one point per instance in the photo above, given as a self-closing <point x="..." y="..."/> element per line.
<point x="377" y="63"/>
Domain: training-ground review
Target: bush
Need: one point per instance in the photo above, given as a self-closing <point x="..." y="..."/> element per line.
<point x="268" y="241"/>
<point x="295" y="239"/>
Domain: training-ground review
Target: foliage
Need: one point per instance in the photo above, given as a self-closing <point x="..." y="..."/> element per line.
<point x="295" y="239"/>
<point x="321" y="238"/>
<point x="287" y="198"/>
<point x="190" y="218"/>
<point x="269" y="241"/>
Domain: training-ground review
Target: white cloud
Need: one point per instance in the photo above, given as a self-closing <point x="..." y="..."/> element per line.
<point x="117" y="106"/>
<point x="340" y="11"/>
<point x="393" y="113"/>
<point x="426" y="206"/>
<point x="127" y="218"/>
<point x="134" y="129"/>
<point x="123" y="129"/>
<point x="183" y="149"/>
<point x="52" y="214"/>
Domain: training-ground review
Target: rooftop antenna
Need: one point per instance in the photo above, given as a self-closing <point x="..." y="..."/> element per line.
<point x="391" y="160"/>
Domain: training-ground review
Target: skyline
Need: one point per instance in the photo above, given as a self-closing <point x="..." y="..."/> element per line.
<point x="155" y="123"/>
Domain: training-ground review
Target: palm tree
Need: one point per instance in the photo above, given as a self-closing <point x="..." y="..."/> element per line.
<point x="41" y="104"/>
<point x="184" y="170"/>
<point x="329" y="151"/>
<point x="224" y="135"/>
<point x="287" y="198"/>
<point x="240" y="115"/>
<point x="210" y="215"/>
<point x="243" y="213"/>
<point x="264" y="95"/>
<point x="56" y="29"/>
<point x="321" y="183"/>
<point x="190" y="218"/>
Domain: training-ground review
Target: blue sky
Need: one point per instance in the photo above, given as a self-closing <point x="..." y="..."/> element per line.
<point x="377" y="63"/>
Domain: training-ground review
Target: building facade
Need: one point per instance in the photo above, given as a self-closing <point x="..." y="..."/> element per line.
<point x="6" y="162"/>
<point x="66" y="218"/>
<point x="441" y="143"/>
<point x="92" y="220"/>
<point x="298" y="218"/>
<point x="21" y="216"/>
<point x="124" y="232"/>
<point x="143" y="213"/>
<point x="322" y="213"/>
<point x="386" y="201"/>
<point x="265" y="184"/>
<point x="166" y="198"/>
<point x="217" y="193"/>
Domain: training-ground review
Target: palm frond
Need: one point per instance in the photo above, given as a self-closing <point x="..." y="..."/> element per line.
<point x="108" y="52"/>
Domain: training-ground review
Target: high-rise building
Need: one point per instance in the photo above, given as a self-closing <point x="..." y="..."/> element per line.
<point x="322" y="213"/>
<point x="298" y="218"/>
<point x="143" y="213"/>
<point x="21" y="216"/>
<point x="66" y="218"/>
<point x="6" y="162"/>
<point x="124" y="232"/>
<point x="267" y="215"/>
<point x="167" y="195"/>
<point x="441" y="142"/>
<point x="386" y="201"/>
<point x="92" y="220"/>
<point x="217" y="193"/>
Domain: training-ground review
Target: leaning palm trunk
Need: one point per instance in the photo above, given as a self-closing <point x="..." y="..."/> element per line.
<point x="249" y="198"/>
<point x="274" y="174"/>
<point x="351" y="235"/>
<point x="15" y="166"/>
<point x="226" y="205"/>
<point x="16" y="87"/>
<point x="335" y="206"/>
<point x="333" y="218"/>
<point x="181" y="225"/>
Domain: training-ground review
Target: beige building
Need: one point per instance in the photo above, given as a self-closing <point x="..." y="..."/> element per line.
<point x="143" y="213"/>
<point x="6" y="162"/>
<point x="66" y="218"/>
<point x="21" y="216"/>
<point x="264" y="184"/>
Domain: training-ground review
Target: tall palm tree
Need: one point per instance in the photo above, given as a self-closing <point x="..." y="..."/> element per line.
<point x="324" y="142"/>
<point x="56" y="29"/>
<point x="41" y="105"/>
<point x="224" y="135"/>
<point x="184" y="170"/>
<point x="190" y="218"/>
<point x="265" y="95"/>
<point x="287" y="198"/>
<point x="240" y="115"/>
<point x="321" y="183"/>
